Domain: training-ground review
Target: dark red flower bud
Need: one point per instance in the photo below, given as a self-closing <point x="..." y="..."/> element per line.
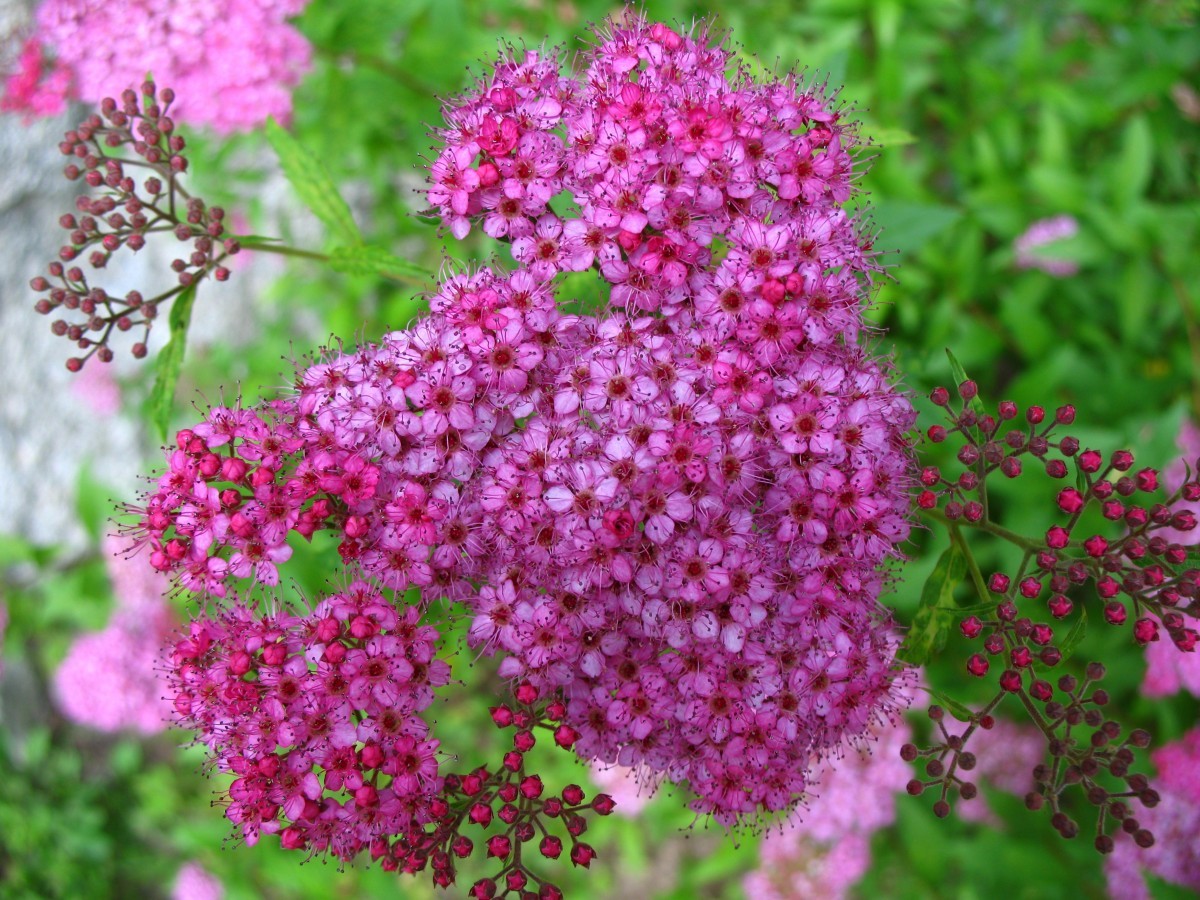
<point x="1090" y="460"/>
<point x="582" y="854"/>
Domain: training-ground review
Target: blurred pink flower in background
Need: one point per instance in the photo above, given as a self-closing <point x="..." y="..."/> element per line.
<point x="97" y="389"/>
<point x="1040" y="233"/>
<point x="231" y="63"/>
<point x="194" y="882"/>
<point x="109" y="678"/>
<point x="1169" y="670"/>
<point x="824" y="850"/>
<point x="39" y="86"/>
<point x="1005" y="757"/>
<point x="630" y="788"/>
<point x="1175" y="822"/>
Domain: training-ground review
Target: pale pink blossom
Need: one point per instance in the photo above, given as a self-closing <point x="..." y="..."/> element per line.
<point x="1041" y="233"/>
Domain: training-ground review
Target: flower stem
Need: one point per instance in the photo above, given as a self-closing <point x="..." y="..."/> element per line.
<point x="266" y="245"/>
<point x="990" y="527"/>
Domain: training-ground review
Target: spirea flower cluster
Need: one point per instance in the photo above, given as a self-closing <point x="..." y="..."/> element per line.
<point x="278" y="698"/>
<point x="669" y="519"/>
<point x="236" y="62"/>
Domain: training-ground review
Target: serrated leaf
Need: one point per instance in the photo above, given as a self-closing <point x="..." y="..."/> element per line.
<point x="250" y="241"/>
<point x="935" y="617"/>
<point x="958" y="710"/>
<point x="170" y="360"/>
<point x="1075" y="636"/>
<point x="960" y="375"/>
<point x="368" y="259"/>
<point x="313" y="185"/>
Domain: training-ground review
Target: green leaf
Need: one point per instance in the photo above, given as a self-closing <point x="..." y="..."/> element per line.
<point x="93" y="503"/>
<point x="931" y="625"/>
<point x="250" y="241"/>
<point x="313" y="185"/>
<point x="1075" y="636"/>
<point x="368" y="259"/>
<point x="170" y="360"/>
<point x="906" y="227"/>
<point x="15" y="550"/>
<point x="1136" y="161"/>
<point x="958" y="710"/>
<point x="960" y="375"/>
<point x="887" y="137"/>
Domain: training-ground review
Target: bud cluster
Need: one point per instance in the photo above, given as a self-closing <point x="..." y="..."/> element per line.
<point x="1074" y="760"/>
<point x="508" y="809"/>
<point x="1135" y="572"/>
<point x="127" y="212"/>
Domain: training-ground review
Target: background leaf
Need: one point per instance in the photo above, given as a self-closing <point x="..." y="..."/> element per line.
<point x="312" y="183"/>
<point x="935" y="617"/>
<point x="170" y="360"/>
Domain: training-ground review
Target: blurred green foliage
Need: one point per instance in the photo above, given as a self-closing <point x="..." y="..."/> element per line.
<point x="982" y="117"/>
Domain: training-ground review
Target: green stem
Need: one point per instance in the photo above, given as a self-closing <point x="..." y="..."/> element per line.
<point x="990" y="527"/>
<point x="266" y="246"/>
<point x="972" y="565"/>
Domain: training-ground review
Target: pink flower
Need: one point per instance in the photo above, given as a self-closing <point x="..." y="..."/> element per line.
<point x="671" y="518"/>
<point x="823" y="850"/>
<point x="1041" y="233"/>
<point x="1174" y="856"/>
<point x="40" y="86"/>
<point x="109" y="678"/>
<point x="194" y="882"/>
<point x="628" y="787"/>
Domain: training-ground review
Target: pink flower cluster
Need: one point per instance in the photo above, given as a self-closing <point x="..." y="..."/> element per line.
<point x="278" y="698"/>
<point x="194" y="882"/>
<point x="234" y="62"/>
<point x="670" y="520"/>
<point x="1175" y="820"/>
<point x="108" y="679"/>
